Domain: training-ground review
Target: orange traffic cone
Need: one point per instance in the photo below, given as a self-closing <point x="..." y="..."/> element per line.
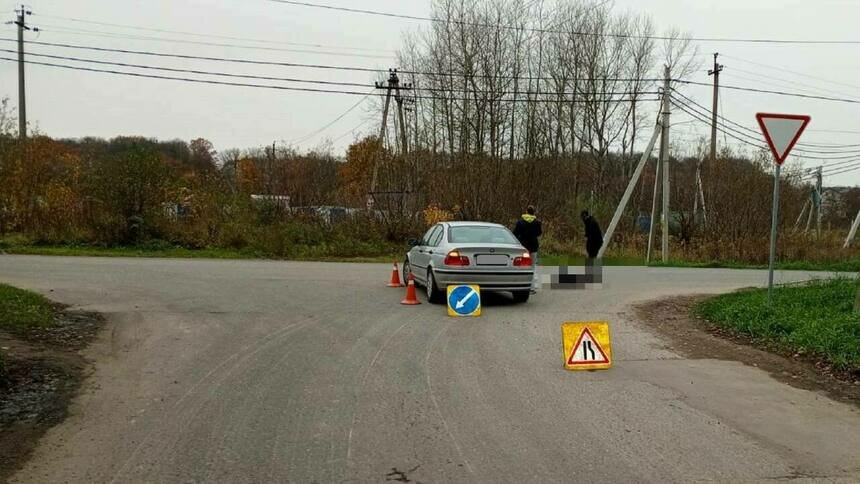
<point x="395" y="277"/>
<point x="410" y="298"/>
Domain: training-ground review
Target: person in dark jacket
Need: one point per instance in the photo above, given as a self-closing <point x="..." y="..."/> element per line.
<point x="593" y="235"/>
<point x="528" y="231"/>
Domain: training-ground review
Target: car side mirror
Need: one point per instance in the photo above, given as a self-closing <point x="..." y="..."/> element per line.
<point x="413" y="242"/>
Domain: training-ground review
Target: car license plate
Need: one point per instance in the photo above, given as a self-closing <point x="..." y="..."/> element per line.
<point x="492" y="260"/>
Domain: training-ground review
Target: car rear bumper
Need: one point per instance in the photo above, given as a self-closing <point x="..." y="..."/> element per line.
<point x="488" y="280"/>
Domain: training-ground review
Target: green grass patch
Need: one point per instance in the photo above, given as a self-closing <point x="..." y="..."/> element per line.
<point x="815" y="318"/>
<point x="358" y="251"/>
<point x="578" y="260"/>
<point x="847" y="265"/>
<point x="20" y="309"/>
<point x="321" y="252"/>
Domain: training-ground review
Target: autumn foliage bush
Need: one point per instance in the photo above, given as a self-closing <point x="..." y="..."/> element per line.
<point x="140" y="192"/>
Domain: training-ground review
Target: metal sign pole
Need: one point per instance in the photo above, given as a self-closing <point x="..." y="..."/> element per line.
<point x="773" y="224"/>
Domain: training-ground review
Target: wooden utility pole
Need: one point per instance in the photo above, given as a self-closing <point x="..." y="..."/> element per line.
<point x="664" y="159"/>
<point x="375" y="177"/>
<point x="393" y="85"/>
<point x="716" y="73"/>
<point x="404" y="138"/>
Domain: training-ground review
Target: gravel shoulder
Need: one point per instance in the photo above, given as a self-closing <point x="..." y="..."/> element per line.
<point x="44" y="371"/>
<point x="695" y="338"/>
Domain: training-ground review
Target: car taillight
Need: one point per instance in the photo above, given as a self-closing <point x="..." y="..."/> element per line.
<point x="524" y="260"/>
<point x="455" y="259"/>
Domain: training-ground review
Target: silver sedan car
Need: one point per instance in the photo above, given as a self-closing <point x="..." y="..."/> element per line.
<point x="480" y="253"/>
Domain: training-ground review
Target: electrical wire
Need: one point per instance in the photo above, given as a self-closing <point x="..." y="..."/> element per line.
<point x="190" y="71"/>
<point x="753" y="140"/>
<point x="92" y="33"/>
<point x="766" y="91"/>
<point x="754" y="133"/>
<point x="286" y="88"/>
<point x="788" y="82"/>
<point x="284" y="79"/>
<point x="568" y="32"/>
<point x="782" y="69"/>
<point x="295" y="64"/>
<point x="829" y="167"/>
<point x="310" y="135"/>
<point x="211" y="36"/>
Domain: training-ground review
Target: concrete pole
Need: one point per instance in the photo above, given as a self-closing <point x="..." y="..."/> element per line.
<point x="820" y="190"/>
<point x="716" y="73"/>
<point x="800" y="217"/>
<point x="664" y="152"/>
<point x="852" y="232"/>
<point x="22" y="97"/>
<point x="657" y="173"/>
<point x="628" y="192"/>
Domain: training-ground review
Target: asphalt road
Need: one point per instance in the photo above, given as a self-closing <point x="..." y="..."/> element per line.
<point x="250" y="371"/>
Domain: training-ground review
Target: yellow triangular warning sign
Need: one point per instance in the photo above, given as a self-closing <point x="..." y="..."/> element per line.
<point x="587" y="350"/>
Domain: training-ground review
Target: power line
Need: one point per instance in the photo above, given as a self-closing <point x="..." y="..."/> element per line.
<point x="71" y="31"/>
<point x="192" y="71"/>
<point x="753" y="141"/>
<point x="787" y="81"/>
<point x="834" y="162"/>
<point x="755" y="133"/>
<point x="294" y="64"/>
<point x="335" y="120"/>
<point x="830" y="166"/>
<point x="211" y="36"/>
<point x="286" y="88"/>
<point x="568" y="32"/>
<point x="185" y="79"/>
<point x="782" y="69"/>
<point x="766" y="91"/>
<point x="286" y="79"/>
<point x="744" y="137"/>
<point x="842" y="172"/>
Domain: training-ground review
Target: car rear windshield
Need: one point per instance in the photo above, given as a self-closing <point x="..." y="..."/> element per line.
<point x="480" y="234"/>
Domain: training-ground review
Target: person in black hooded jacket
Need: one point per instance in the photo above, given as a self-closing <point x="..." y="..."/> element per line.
<point x="593" y="235"/>
<point x="528" y="231"/>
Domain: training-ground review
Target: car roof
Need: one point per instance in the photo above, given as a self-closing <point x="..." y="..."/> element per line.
<point x="461" y="223"/>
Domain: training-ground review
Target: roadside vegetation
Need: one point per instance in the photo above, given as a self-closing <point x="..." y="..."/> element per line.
<point x="480" y="150"/>
<point x="815" y="319"/>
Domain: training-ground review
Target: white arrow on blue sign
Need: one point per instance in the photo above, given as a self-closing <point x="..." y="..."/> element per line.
<point x="464" y="300"/>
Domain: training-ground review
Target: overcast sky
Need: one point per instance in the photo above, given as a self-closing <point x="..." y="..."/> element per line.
<point x="66" y="103"/>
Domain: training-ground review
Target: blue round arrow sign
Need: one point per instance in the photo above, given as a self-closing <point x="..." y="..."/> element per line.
<point x="464" y="300"/>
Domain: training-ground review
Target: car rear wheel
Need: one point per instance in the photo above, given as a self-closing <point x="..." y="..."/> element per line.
<point x="521" y="296"/>
<point x="433" y="293"/>
<point x="406" y="269"/>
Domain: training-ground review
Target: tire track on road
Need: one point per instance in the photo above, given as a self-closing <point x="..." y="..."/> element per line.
<point x="361" y="387"/>
<point x="436" y="403"/>
<point x="257" y="346"/>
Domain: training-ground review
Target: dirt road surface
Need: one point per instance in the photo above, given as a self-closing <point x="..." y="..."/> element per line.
<point x="249" y="371"/>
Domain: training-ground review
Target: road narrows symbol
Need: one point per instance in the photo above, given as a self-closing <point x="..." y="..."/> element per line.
<point x="587" y="350"/>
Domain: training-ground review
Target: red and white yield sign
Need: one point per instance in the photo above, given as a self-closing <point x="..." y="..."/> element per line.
<point x="781" y="132"/>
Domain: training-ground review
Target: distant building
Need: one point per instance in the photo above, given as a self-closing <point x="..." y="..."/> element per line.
<point x="280" y="201"/>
